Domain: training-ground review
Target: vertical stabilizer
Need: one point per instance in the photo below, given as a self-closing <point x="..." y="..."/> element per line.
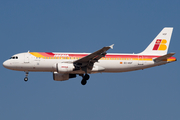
<point x="160" y="45"/>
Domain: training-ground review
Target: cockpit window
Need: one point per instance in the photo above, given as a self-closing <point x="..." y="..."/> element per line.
<point x="14" y="57"/>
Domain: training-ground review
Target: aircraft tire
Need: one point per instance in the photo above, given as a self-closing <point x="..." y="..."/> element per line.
<point x="26" y="79"/>
<point x="86" y="77"/>
<point x="83" y="82"/>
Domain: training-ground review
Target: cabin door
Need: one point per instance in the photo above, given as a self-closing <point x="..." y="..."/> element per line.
<point x="26" y="58"/>
<point x="140" y="60"/>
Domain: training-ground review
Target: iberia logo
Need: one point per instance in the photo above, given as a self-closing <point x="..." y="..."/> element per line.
<point x="160" y="44"/>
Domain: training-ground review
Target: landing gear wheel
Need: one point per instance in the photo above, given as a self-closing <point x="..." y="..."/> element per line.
<point x="86" y="77"/>
<point x="83" y="82"/>
<point x="26" y="79"/>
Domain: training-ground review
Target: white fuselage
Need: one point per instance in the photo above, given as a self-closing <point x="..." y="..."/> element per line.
<point x="67" y="65"/>
<point x="28" y="62"/>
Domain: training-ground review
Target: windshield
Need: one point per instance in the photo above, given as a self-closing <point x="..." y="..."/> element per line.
<point x="14" y="57"/>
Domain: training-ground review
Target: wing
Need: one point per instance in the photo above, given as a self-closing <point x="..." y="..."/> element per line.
<point x="89" y="60"/>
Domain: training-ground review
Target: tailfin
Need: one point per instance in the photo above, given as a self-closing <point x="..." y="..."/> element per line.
<point x="160" y="45"/>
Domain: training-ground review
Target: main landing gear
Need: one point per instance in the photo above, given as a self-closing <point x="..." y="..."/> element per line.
<point x="85" y="78"/>
<point x="26" y="78"/>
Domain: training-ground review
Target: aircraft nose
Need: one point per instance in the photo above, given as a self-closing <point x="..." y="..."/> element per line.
<point x="5" y="64"/>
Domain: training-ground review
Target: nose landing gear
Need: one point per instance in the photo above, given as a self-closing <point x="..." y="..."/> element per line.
<point x="26" y="78"/>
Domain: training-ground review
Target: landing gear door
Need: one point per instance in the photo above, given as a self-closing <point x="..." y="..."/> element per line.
<point x="26" y="58"/>
<point x="140" y="60"/>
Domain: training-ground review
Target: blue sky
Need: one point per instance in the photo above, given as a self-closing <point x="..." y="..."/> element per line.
<point x="86" y="26"/>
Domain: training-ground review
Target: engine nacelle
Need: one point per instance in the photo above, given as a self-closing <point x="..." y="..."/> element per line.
<point x="62" y="76"/>
<point x="64" y="67"/>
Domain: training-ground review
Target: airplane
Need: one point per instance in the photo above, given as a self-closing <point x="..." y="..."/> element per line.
<point x="68" y="65"/>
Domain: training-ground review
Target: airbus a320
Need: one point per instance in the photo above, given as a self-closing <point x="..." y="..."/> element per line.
<point x="68" y="65"/>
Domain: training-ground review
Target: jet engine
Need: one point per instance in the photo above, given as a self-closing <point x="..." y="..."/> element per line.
<point x="64" y="67"/>
<point x="62" y="76"/>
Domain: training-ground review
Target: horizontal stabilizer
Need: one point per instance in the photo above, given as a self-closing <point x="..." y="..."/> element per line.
<point x="164" y="57"/>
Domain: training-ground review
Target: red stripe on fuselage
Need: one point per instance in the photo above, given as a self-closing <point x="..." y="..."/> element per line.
<point x="50" y="54"/>
<point x="45" y="54"/>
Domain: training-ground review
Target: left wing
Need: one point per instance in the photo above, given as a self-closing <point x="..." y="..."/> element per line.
<point x="89" y="60"/>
